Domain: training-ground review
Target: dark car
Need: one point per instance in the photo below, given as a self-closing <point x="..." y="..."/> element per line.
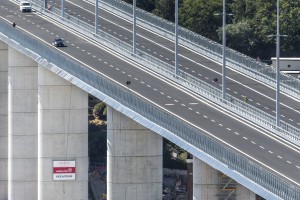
<point x="58" y="42"/>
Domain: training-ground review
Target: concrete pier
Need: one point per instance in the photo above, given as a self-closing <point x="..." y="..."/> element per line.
<point x="3" y="121"/>
<point x="22" y="127"/>
<point x="205" y="180"/>
<point x="243" y="193"/>
<point x="62" y="136"/>
<point x="134" y="160"/>
<point x="208" y="184"/>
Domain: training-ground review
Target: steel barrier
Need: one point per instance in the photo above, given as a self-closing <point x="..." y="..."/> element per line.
<point x="238" y="61"/>
<point x="214" y="94"/>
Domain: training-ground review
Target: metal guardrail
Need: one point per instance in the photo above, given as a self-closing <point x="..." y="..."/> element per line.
<point x="216" y="154"/>
<point x="209" y="48"/>
<point x="202" y="88"/>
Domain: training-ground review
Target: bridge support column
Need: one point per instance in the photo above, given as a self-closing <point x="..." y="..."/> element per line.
<point x="63" y="136"/>
<point x="134" y="159"/>
<point x="243" y="193"/>
<point x="22" y="127"/>
<point x="3" y="120"/>
<point x="205" y="181"/>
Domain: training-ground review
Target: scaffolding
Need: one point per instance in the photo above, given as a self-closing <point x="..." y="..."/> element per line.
<point x="227" y="187"/>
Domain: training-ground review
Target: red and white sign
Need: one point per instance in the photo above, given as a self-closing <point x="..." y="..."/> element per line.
<point x="64" y="170"/>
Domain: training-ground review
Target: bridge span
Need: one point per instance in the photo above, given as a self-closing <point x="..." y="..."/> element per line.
<point x="44" y="120"/>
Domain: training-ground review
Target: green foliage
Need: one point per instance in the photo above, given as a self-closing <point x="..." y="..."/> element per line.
<point x="148" y="5"/>
<point x="99" y="111"/>
<point x="97" y="143"/>
<point x="165" y="9"/>
<point x="171" y="162"/>
<point x="200" y="16"/>
<point x="248" y="29"/>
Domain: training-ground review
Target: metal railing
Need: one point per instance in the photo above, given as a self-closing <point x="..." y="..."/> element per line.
<point x="202" y="88"/>
<point x="238" y="61"/>
<point x="214" y="153"/>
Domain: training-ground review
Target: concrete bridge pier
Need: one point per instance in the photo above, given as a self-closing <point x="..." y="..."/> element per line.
<point x="62" y="136"/>
<point x="208" y="184"/>
<point x="134" y="160"/>
<point x="22" y="126"/>
<point x="3" y="120"/>
<point x="205" y="181"/>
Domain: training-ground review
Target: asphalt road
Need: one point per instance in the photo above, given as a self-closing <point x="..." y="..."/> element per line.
<point x="253" y="143"/>
<point x="238" y="85"/>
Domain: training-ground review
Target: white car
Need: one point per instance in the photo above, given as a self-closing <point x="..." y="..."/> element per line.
<point x="25" y="6"/>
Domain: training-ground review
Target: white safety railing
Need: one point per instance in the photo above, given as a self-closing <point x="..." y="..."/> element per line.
<point x="231" y="103"/>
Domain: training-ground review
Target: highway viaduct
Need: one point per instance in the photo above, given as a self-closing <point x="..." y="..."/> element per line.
<point x="56" y="130"/>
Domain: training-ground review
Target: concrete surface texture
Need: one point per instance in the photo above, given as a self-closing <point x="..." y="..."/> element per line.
<point x="243" y="193"/>
<point x="134" y="159"/>
<point x="22" y="126"/>
<point x="3" y="121"/>
<point x="63" y="136"/>
<point x="205" y="181"/>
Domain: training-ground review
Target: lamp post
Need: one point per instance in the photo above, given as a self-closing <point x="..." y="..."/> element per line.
<point x="176" y="37"/>
<point x="62" y="8"/>
<point x="224" y="49"/>
<point x="277" y="70"/>
<point x="96" y="16"/>
<point x="278" y="67"/>
<point x="134" y="27"/>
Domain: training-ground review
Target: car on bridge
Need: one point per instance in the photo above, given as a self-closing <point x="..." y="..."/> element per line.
<point x="58" y="42"/>
<point x="25" y="6"/>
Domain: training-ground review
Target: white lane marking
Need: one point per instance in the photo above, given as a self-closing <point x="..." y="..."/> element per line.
<point x="169" y="104"/>
<point x="193" y="103"/>
<point x="236" y="133"/>
<point x="245" y="138"/>
<point x="253" y="142"/>
<point x="279" y="157"/>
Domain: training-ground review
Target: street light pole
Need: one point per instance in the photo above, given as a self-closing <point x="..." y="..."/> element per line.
<point x="176" y="37"/>
<point x="224" y="51"/>
<point x="277" y="70"/>
<point x="134" y="27"/>
<point x="96" y="16"/>
<point x="62" y="8"/>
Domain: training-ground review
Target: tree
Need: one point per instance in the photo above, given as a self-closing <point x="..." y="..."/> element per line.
<point x="165" y="9"/>
<point x="99" y="111"/>
<point x="147" y="5"/>
<point x="199" y="16"/>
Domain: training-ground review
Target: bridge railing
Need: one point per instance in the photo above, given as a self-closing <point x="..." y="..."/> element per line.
<point x="238" y="61"/>
<point x="202" y="146"/>
<point x="214" y="94"/>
